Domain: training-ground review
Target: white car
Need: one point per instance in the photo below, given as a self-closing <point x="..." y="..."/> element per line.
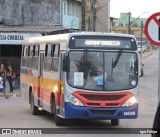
<point x="141" y="47"/>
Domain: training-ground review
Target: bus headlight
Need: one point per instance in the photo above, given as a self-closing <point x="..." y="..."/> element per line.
<point x="130" y="102"/>
<point x="73" y="100"/>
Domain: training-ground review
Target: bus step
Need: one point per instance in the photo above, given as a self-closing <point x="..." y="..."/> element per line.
<point x="40" y="108"/>
<point x="60" y="116"/>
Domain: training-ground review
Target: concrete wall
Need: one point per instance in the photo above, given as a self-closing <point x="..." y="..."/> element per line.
<point x="30" y="12"/>
<point x="2" y="7"/>
<point x="103" y="15"/>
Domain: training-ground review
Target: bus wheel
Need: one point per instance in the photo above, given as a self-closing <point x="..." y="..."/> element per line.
<point x="142" y="73"/>
<point x="58" y="120"/>
<point x="115" y="122"/>
<point x="34" y="108"/>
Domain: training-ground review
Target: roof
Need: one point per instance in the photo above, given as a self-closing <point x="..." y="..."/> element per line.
<point x="59" y="38"/>
<point x="32" y="29"/>
<point x="47" y="39"/>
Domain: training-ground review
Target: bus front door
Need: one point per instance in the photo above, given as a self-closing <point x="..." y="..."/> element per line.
<point x="40" y="78"/>
<point x="62" y="54"/>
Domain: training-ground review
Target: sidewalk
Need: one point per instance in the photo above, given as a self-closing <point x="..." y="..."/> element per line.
<point x="16" y="90"/>
<point x="147" y="53"/>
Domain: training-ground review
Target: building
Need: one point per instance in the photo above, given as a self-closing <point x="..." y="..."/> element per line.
<point x="20" y="19"/>
<point x="103" y="15"/>
<point x="71" y="14"/>
<point x="97" y="15"/>
<point x="121" y="25"/>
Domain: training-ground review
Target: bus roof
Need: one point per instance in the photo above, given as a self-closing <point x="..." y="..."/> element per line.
<point x="59" y="38"/>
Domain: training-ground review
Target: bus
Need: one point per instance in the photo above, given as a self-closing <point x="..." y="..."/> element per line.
<point x="83" y="75"/>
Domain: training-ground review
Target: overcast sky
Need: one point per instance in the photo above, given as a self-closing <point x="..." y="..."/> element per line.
<point x="136" y="7"/>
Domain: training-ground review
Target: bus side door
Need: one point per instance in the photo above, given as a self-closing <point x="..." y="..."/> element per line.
<point x="62" y="54"/>
<point x="40" y="78"/>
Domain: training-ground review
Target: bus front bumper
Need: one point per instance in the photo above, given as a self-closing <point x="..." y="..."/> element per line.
<point x="75" y="112"/>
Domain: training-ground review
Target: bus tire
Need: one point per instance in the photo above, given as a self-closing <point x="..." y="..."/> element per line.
<point x="115" y="122"/>
<point x="58" y="120"/>
<point x="34" y="109"/>
<point x="142" y="73"/>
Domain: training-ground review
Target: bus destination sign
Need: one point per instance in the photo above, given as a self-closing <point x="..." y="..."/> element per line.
<point x="102" y="43"/>
<point x="108" y="42"/>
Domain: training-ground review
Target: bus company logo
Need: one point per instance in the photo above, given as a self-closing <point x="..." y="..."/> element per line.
<point x="6" y="131"/>
<point x="130" y="113"/>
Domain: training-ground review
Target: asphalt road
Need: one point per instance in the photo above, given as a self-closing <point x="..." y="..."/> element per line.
<point x="15" y="112"/>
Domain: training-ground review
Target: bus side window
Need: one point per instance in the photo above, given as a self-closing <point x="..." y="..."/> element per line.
<point x="30" y="55"/>
<point x="48" y="58"/>
<point x="53" y="50"/>
<point x="55" y="59"/>
<point x="36" y="50"/>
<point x="24" y="54"/>
<point x="57" y="51"/>
<point x="35" y="57"/>
<point x="31" y="51"/>
<point x="51" y="58"/>
<point x="27" y="61"/>
<point x="46" y="50"/>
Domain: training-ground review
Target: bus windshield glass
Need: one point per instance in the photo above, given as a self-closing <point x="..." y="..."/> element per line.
<point x="97" y="70"/>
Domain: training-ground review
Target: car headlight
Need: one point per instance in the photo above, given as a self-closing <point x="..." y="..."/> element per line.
<point x="73" y="100"/>
<point x="130" y="102"/>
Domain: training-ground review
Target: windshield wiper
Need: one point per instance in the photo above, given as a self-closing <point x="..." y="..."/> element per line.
<point x="114" y="64"/>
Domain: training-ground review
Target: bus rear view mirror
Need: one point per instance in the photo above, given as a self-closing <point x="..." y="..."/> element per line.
<point x="65" y="63"/>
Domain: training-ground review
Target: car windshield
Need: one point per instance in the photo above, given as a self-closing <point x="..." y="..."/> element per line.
<point x="103" y="71"/>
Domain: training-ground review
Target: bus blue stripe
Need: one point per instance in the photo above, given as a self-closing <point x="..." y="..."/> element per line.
<point x="72" y="111"/>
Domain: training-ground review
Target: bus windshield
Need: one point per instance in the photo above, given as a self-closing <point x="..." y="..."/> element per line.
<point x="97" y="70"/>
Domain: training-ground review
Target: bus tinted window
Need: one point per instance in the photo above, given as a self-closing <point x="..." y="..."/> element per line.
<point x="31" y="51"/>
<point x="51" y="60"/>
<point x="96" y="70"/>
<point x="105" y="42"/>
<point x="36" y="53"/>
<point x="25" y="55"/>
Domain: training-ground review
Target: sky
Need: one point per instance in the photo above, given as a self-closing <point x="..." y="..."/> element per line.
<point x="136" y="7"/>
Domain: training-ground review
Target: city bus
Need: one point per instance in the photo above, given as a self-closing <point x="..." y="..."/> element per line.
<point x="82" y="75"/>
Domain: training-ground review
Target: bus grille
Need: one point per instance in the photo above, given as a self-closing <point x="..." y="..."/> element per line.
<point x="102" y="97"/>
<point x="102" y="112"/>
<point x="110" y="100"/>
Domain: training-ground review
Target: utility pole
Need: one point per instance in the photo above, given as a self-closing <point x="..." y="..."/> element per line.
<point x="94" y="15"/>
<point x="129" y="23"/>
<point x="83" y="15"/>
<point x="141" y="36"/>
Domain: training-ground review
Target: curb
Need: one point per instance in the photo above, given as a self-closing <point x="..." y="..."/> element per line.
<point x="10" y="95"/>
<point x="149" y="54"/>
